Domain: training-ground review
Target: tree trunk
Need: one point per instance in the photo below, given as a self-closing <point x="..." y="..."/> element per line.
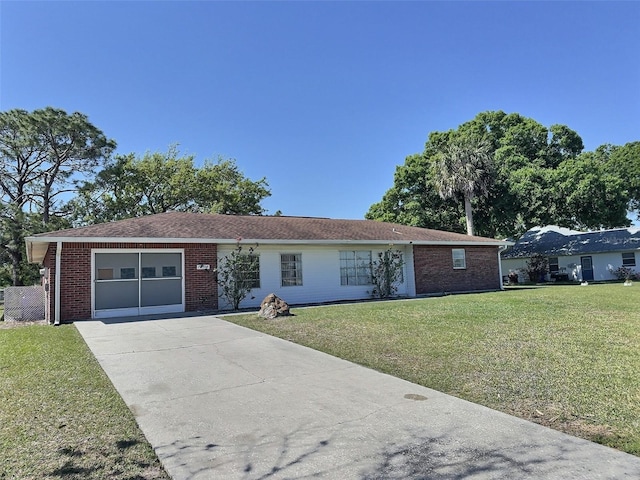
<point x="469" y="214"/>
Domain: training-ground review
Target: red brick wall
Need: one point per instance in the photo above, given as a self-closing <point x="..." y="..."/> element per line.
<point x="201" y="287"/>
<point x="435" y="273"/>
<point x="75" y="276"/>
<point x="75" y="281"/>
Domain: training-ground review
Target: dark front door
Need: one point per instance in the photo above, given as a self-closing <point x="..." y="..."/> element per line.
<point x="587" y="268"/>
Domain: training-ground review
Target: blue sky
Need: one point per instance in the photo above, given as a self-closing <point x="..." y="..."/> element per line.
<point x="324" y="99"/>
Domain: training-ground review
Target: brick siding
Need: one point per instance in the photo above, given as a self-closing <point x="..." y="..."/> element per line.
<point x="435" y="273"/>
<point x="75" y="276"/>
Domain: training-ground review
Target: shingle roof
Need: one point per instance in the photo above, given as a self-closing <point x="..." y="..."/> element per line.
<point x="553" y="241"/>
<point x="193" y="227"/>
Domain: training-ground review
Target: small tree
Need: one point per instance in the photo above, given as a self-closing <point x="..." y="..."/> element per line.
<point x="537" y="267"/>
<point x="238" y="273"/>
<point x="387" y="273"/>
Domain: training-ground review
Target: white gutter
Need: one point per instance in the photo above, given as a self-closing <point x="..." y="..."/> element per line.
<point x="231" y="241"/>
<point x="56" y="318"/>
<point x="500" y="250"/>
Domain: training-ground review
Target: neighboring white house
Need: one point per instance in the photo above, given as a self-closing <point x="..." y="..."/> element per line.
<point x="573" y="255"/>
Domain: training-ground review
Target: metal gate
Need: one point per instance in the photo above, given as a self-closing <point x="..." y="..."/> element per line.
<point x="23" y="304"/>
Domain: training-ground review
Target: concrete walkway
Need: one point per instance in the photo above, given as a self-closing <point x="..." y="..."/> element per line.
<point x="218" y="401"/>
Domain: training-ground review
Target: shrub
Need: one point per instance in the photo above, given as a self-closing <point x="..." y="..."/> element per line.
<point x="387" y="273"/>
<point x="537" y="267"/>
<point x="624" y="273"/>
<point x="237" y="274"/>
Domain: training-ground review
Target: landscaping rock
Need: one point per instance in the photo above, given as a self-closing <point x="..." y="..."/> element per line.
<point x="273" y="306"/>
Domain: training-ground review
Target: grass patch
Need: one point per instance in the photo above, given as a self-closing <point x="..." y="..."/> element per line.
<point x="567" y="357"/>
<point x="60" y="416"/>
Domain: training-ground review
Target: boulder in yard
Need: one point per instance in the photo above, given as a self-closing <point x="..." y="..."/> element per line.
<point x="273" y="306"/>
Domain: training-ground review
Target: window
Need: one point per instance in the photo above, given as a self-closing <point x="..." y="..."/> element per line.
<point x="629" y="259"/>
<point x="105" y="274"/>
<point x="355" y="268"/>
<point x="169" y="271"/>
<point x="459" y="259"/>
<point x="127" y="273"/>
<point x="148" y="272"/>
<point x="553" y="265"/>
<point x="250" y="269"/>
<point x="291" y="269"/>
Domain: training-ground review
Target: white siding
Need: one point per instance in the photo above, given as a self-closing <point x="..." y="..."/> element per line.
<point x="320" y="274"/>
<point x="602" y="264"/>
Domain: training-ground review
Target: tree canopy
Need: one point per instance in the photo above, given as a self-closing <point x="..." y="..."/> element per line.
<point x="537" y="176"/>
<point x="133" y="186"/>
<point x="41" y="154"/>
<point x="57" y="171"/>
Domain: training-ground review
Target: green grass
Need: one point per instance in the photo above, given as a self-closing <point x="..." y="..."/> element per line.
<point x="564" y="356"/>
<point x="60" y="416"/>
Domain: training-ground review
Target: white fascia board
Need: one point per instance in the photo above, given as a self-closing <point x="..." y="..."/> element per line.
<point x="37" y="257"/>
<point x="231" y="241"/>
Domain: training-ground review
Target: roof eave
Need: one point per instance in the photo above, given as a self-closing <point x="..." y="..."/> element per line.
<point x="39" y="256"/>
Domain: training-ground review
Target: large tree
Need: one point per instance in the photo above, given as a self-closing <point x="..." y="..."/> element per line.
<point x="539" y="176"/>
<point x="41" y="154"/>
<point x="133" y="186"/>
<point x="624" y="161"/>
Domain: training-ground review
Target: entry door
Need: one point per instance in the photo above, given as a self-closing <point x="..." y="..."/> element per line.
<point x="587" y="268"/>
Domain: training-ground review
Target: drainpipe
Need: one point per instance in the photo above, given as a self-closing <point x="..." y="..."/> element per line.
<point x="501" y="249"/>
<point x="56" y="318"/>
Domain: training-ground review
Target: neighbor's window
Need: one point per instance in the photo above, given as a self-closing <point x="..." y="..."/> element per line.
<point x="459" y="259"/>
<point x="629" y="259"/>
<point x="291" y="269"/>
<point x="554" y="267"/>
<point x="355" y="267"/>
<point x="250" y="269"/>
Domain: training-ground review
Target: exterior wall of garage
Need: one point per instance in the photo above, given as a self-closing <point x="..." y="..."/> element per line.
<point x="435" y="273"/>
<point x="75" y="276"/>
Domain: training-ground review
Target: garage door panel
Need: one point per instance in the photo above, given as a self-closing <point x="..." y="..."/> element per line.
<point x="111" y="295"/>
<point x="161" y="292"/>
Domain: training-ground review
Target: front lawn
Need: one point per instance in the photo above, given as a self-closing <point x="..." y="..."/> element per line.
<point x="60" y="416"/>
<point x="563" y="356"/>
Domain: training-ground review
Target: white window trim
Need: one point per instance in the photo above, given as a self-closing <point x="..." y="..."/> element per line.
<point x="629" y="264"/>
<point x="370" y="252"/>
<point x="299" y="275"/>
<point x="455" y="257"/>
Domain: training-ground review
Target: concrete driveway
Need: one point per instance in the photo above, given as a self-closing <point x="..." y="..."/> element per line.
<point x="219" y="401"/>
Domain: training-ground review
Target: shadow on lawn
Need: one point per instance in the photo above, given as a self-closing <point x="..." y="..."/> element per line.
<point x="108" y="463"/>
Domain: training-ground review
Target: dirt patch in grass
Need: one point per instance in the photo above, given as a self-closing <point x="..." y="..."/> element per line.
<point x="15" y="324"/>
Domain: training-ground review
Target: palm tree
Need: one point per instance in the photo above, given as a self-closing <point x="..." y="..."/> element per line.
<point x="464" y="167"/>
